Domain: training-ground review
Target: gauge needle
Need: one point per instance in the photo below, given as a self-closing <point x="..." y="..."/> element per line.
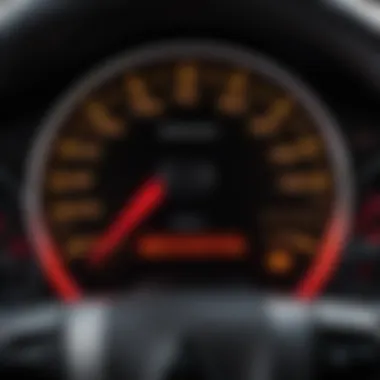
<point x="144" y="202"/>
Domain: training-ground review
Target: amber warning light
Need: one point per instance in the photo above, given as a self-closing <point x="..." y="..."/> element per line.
<point x="205" y="246"/>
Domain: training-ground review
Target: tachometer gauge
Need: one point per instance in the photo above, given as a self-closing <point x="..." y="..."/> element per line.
<point x="190" y="160"/>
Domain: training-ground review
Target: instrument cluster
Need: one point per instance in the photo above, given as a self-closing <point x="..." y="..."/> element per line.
<point x="193" y="164"/>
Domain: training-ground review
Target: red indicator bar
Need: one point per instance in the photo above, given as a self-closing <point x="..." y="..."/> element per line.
<point x="205" y="246"/>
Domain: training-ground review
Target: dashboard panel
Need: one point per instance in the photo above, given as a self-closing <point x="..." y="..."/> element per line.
<point x="329" y="54"/>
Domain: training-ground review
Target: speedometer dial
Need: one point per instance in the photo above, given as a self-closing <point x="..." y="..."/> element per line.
<point x="188" y="161"/>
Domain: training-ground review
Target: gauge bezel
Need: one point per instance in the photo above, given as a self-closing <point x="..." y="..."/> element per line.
<point x="338" y="227"/>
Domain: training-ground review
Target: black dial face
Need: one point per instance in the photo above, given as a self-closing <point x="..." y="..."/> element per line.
<point x="192" y="167"/>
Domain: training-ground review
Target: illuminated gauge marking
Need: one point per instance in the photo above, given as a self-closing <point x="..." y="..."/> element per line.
<point x="279" y="262"/>
<point x="69" y="211"/>
<point x="140" y="100"/>
<point x="77" y="246"/>
<point x="273" y="119"/>
<point x="103" y="122"/>
<point x="66" y="181"/>
<point x="186" y="91"/>
<point x="78" y="150"/>
<point x="301" y="150"/>
<point x="309" y="182"/>
<point x="234" y="98"/>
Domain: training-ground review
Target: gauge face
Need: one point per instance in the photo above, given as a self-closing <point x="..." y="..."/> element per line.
<point x="189" y="162"/>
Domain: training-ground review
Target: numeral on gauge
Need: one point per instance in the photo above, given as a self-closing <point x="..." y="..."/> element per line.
<point x="297" y="183"/>
<point x="103" y="122"/>
<point x="141" y="102"/>
<point x="71" y="211"/>
<point x="63" y="181"/>
<point x="269" y="124"/>
<point x="289" y="154"/>
<point x="234" y="98"/>
<point x="186" y="91"/>
<point x="76" y="149"/>
<point x="78" y="246"/>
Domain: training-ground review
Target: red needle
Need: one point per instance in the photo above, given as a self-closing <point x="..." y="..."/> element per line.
<point x="147" y="198"/>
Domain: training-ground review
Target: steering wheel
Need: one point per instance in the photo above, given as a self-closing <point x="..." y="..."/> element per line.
<point x="211" y="334"/>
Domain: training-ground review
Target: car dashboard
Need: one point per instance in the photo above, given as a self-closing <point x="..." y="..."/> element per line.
<point x="151" y="144"/>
